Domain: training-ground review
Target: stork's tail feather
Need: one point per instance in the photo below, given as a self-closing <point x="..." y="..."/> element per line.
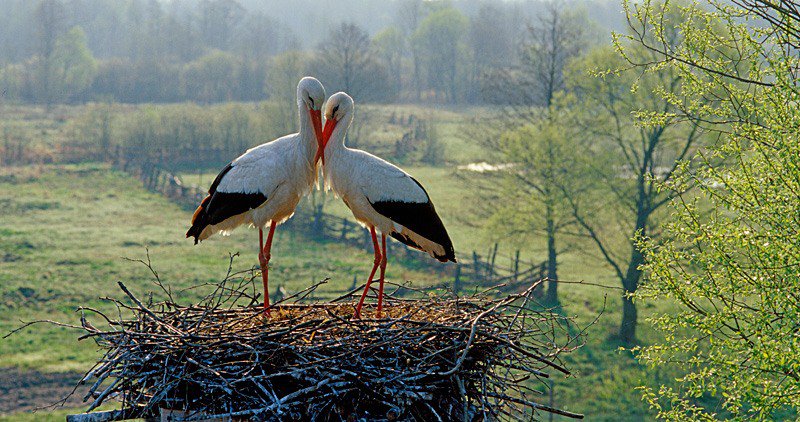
<point x="408" y="239"/>
<point x="199" y="220"/>
<point x="195" y="231"/>
<point x="450" y="256"/>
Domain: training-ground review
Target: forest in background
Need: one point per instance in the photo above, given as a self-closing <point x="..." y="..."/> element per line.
<point x="132" y="51"/>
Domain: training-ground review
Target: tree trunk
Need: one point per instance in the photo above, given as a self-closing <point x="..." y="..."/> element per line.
<point x="627" y="330"/>
<point x="552" y="265"/>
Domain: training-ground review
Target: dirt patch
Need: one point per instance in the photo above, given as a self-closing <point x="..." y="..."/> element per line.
<point x="25" y="391"/>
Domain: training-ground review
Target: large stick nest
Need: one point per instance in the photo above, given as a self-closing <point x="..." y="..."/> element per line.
<point x="438" y="357"/>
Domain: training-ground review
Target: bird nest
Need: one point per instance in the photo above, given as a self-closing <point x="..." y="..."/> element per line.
<point x="434" y="357"/>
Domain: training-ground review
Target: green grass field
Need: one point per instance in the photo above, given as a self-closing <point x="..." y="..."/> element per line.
<point x="67" y="230"/>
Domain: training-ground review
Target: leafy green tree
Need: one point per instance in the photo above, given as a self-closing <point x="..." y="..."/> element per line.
<point x="281" y="86"/>
<point x="49" y="24"/>
<point x="628" y="155"/>
<point x="539" y="167"/>
<point x="390" y="45"/>
<point x="213" y="77"/>
<point x="440" y="39"/>
<point x="63" y="72"/>
<point x="540" y="127"/>
<point x="73" y="67"/>
<point x="733" y="252"/>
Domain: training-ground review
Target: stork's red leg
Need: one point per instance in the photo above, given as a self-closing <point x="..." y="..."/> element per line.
<point x="372" y="273"/>
<point x="263" y="259"/>
<point x="383" y="273"/>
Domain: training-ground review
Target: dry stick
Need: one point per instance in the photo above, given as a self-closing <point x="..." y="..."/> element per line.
<point x="40" y="321"/>
<point x="109" y="416"/>
<point x="145" y="310"/>
<point x="473" y="328"/>
<point x="277" y="404"/>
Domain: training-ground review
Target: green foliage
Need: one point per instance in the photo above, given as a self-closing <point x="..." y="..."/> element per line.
<point x="390" y="45"/>
<point x="538" y="166"/>
<point x="439" y="39"/>
<point x="626" y="155"/>
<point x="213" y="77"/>
<point x="60" y="76"/>
<point x="731" y="260"/>
<point x="74" y="67"/>
<point x="281" y="85"/>
<point x="433" y="151"/>
<point x="188" y="134"/>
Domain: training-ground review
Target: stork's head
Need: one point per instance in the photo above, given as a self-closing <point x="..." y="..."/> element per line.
<point x="310" y="96"/>
<point x="338" y="108"/>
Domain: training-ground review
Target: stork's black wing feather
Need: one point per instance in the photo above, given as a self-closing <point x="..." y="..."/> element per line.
<point x="219" y="206"/>
<point x="422" y="219"/>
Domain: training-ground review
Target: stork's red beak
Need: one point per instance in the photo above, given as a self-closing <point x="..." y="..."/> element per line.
<point x="330" y="124"/>
<point x="316" y="122"/>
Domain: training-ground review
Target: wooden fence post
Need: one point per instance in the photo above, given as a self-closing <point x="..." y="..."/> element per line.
<point x="477" y="265"/>
<point x="491" y="263"/>
<point x="457" y="280"/>
<point x="318" y="225"/>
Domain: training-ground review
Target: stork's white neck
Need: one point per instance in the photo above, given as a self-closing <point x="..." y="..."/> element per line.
<point x="308" y="139"/>
<point x="336" y="143"/>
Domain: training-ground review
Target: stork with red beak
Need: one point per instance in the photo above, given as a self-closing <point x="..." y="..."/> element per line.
<point x="265" y="184"/>
<point x="381" y="196"/>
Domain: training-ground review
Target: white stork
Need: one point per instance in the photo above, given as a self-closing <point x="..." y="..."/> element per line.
<point x="380" y="195"/>
<point x="265" y="184"/>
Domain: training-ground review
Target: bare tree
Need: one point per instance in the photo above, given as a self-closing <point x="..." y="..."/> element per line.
<point x="626" y="162"/>
<point x="409" y="15"/>
<point x="556" y="38"/>
<point x="218" y="21"/>
<point x="345" y="61"/>
<point x="553" y="40"/>
<point x="531" y="134"/>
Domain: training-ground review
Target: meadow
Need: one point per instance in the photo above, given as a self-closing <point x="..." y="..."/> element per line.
<point x="70" y="232"/>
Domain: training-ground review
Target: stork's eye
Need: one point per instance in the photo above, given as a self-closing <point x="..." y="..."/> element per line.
<point x="311" y="100"/>
<point x="335" y="109"/>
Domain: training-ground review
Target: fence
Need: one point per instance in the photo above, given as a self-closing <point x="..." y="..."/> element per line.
<point x="476" y="272"/>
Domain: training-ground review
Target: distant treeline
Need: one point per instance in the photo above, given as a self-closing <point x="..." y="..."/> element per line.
<point x="134" y="51"/>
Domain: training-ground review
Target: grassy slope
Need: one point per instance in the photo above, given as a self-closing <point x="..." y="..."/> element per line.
<point x="68" y="228"/>
<point x="65" y="230"/>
